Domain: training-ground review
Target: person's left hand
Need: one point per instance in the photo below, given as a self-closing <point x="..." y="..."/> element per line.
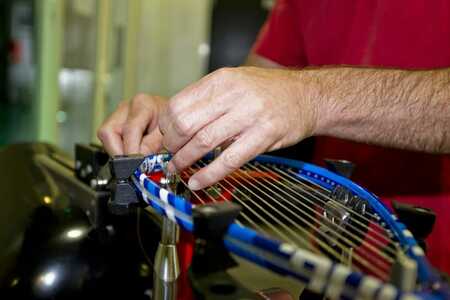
<point x="252" y="109"/>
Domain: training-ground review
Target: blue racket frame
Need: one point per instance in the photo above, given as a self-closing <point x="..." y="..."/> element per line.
<point x="318" y="273"/>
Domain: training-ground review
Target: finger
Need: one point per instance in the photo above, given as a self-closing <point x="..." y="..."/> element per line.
<point x="193" y="108"/>
<point x="151" y="143"/>
<point x="110" y="132"/>
<point x="182" y="127"/>
<point x="141" y="112"/>
<point x="208" y="138"/>
<point x="203" y="88"/>
<point x="249" y="145"/>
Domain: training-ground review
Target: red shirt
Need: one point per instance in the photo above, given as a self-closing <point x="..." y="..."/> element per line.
<point x="406" y="34"/>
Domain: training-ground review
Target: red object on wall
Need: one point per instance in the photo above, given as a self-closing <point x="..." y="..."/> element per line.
<point x="15" y="51"/>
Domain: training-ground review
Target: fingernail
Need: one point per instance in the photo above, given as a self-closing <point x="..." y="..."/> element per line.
<point x="194" y="184"/>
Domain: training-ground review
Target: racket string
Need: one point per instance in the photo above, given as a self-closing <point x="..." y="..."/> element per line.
<point x="214" y="200"/>
<point x="295" y="178"/>
<point x="268" y="224"/>
<point x="321" y="216"/>
<point x="353" y="227"/>
<point x="364" y="262"/>
<point x="244" y="215"/>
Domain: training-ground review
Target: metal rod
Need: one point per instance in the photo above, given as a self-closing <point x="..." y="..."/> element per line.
<point x="167" y="265"/>
<point x="50" y="17"/>
<point x="101" y="68"/>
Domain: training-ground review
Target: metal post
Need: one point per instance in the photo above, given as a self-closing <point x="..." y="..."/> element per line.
<point x="50" y="32"/>
<point x="101" y="67"/>
<point x="167" y="266"/>
<point x="130" y="53"/>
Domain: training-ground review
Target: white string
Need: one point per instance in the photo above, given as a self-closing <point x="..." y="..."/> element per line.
<point x="361" y="240"/>
<point x="304" y="242"/>
<point x="212" y="198"/>
<point x="363" y="261"/>
<point x="376" y="241"/>
<point x="386" y="238"/>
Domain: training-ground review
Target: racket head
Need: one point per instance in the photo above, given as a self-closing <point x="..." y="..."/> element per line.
<point x="178" y="208"/>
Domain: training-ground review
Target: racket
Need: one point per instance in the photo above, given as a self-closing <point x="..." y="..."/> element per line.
<point x="306" y="222"/>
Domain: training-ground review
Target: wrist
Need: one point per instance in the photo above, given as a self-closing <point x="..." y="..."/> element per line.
<point x="312" y="98"/>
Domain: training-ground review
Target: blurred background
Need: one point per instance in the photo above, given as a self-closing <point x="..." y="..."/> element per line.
<point x="65" y="64"/>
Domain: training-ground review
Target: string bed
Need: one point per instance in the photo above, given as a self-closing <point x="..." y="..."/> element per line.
<point x="296" y="220"/>
<point x="278" y="203"/>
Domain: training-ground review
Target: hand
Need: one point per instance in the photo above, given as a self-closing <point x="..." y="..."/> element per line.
<point x="252" y="109"/>
<point x="133" y="127"/>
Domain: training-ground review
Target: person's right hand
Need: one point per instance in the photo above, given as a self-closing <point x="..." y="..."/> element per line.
<point x="133" y="127"/>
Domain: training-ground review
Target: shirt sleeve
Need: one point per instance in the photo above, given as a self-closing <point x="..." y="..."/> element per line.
<point x="280" y="38"/>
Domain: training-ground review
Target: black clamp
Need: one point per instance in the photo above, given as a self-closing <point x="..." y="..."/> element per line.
<point x="211" y="259"/>
<point x="89" y="161"/>
<point x="123" y="192"/>
<point x="340" y="166"/>
<point x="419" y="220"/>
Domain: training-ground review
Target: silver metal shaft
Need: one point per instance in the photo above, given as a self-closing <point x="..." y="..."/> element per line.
<point x="164" y="290"/>
<point x="167" y="265"/>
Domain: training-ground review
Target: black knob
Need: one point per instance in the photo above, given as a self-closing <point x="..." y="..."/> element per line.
<point x="340" y="166"/>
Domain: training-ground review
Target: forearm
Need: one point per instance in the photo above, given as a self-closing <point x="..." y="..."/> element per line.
<point x="403" y="109"/>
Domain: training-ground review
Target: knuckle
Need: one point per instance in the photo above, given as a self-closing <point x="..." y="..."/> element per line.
<point x="259" y="107"/>
<point x="168" y="145"/>
<point x="269" y="127"/>
<point x="230" y="160"/>
<point x="204" y="139"/>
<point x="178" y="161"/>
<point x="141" y="99"/>
<point x="172" y="109"/>
<point x="103" y="133"/>
<point x="182" y="126"/>
<point x="172" y="114"/>
<point x="270" y="130"/>
<point x="128" y="129"/>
